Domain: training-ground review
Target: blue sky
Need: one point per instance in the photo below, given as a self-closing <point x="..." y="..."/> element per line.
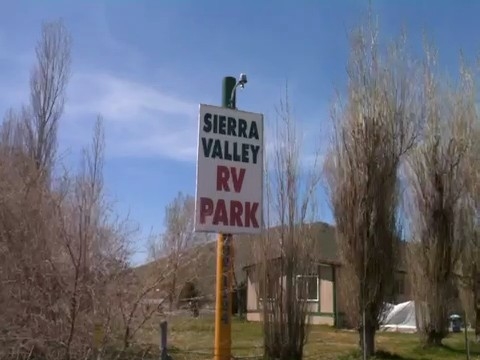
<point x="146" y="65"/>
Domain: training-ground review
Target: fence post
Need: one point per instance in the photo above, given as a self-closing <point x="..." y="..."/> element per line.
<point x="163" y="341"/>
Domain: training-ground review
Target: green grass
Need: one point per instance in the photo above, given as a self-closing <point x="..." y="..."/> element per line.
<point x="193" y="339"/>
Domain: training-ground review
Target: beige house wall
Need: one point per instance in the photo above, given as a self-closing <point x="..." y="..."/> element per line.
<point x="251" y="295"/>
<point x="312" y="319"/>
<point x="320" y="312"/>
<point x="327" y="296"/>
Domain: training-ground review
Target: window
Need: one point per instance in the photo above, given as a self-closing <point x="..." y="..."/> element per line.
<point x="307" y="287"/>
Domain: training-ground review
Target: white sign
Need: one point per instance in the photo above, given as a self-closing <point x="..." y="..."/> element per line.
<point x="229" y="190"/>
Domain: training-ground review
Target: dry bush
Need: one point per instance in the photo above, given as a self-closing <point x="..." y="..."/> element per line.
<point x="438" y="196"/>
<point x="286" y="251"/>
<point x="373" y="129"/>
<point x="64" y="254"/>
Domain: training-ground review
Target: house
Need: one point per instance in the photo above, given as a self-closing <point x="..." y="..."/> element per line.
<point x="324" y="296"/>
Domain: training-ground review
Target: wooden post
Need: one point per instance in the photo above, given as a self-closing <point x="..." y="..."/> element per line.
<point x="97" y="338"/>
<point x="163" y="341"/>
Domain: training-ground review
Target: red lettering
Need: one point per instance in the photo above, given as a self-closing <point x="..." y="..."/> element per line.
<point x="223" y="177"/>
<point x="251" y="214"/>
<point x="206" y="208"/>
<point x="223" y="174"/>
<point x="220" y="215"/>
<point x="229" y="213"/>
<point x="236" y="211"/>
<point x="237" y="179"/>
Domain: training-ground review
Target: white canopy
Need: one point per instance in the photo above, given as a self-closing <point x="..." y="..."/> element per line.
<point x="400" y="317"/>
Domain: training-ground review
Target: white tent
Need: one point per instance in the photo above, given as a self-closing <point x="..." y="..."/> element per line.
<point x="400" y="318"/>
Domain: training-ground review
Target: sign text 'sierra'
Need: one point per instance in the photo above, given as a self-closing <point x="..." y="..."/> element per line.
<point x="229" y="171"/>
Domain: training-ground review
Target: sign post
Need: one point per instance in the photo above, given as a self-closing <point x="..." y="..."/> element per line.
<point x="229" y="193"/>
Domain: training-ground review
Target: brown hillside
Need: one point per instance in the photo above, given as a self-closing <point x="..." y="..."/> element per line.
<point x="200" y="263"/>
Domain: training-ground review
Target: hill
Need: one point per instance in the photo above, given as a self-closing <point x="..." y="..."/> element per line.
<point x="199" y="264"/>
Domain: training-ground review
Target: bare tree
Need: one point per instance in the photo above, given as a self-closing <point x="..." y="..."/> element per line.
<point x="285" y="252"/>
<point x="84" y="207"/>
<point x="48" y="82"/>
<point x="177" y="241"/>
<point x="469" y="216"/>
<point x="91" y="247"/>
<point x="64" y="253"/>
<point x="373" y="129"/>
<point x="468" y="266"/>
<point x="438" y="196"/>
<point x="12" y="134"/>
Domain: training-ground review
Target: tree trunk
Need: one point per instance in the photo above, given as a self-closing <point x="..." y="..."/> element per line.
<point x="370" y="331"/>
<point x="476" y="302"/>
<point x="437" y="326"/>
<point x="434" y="338"/>
<point x="434" y="316"/>
<point x="126" y="337"/>
<point x="477" y="321"/>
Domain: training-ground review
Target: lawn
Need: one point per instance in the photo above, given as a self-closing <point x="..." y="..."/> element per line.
<point x="192" y="339"/>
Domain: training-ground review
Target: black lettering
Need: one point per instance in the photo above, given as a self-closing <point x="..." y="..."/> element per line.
<point x="245" y="153"/>
<point x="207" y="146"/>
<point x="242" y="128"/>
<point x="222" y="124"/>
<point x="236" y="155"/>
<point x="217" y="150"/>
<point x="207" y="122"/>
<point x="215" y="124"/>
<point x="253" y="131"/>
<point x="226" y="154"/>
<point x="232" y="122"/>
<point x="231" y="151"/>
<point x="255" y="150"/>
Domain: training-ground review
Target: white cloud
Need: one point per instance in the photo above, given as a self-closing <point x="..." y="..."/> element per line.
<point x="121" y="99"/>
<point x="140" y="120"/>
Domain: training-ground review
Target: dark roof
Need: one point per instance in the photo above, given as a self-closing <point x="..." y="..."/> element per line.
<point x="321" y="262"/>
<point x="320" y="238"/>
<point x="323" y="244"/>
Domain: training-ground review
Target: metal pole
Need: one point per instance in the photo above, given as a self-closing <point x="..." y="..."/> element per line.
<point x="223" y="293"/>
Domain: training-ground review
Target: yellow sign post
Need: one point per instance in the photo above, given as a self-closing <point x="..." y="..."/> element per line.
<point x="223" y="293"/>
<point x="229" y="156"/>
<point x="223" y="305"/>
